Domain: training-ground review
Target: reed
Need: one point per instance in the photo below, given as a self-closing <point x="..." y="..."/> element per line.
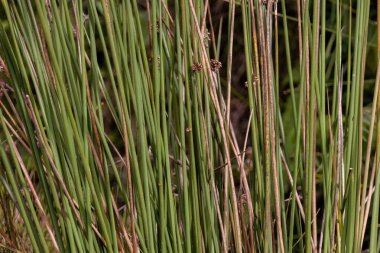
<point x="117" y="134"/>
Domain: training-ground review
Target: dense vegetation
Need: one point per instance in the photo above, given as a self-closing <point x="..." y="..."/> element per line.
<point x="189" y="126"/>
